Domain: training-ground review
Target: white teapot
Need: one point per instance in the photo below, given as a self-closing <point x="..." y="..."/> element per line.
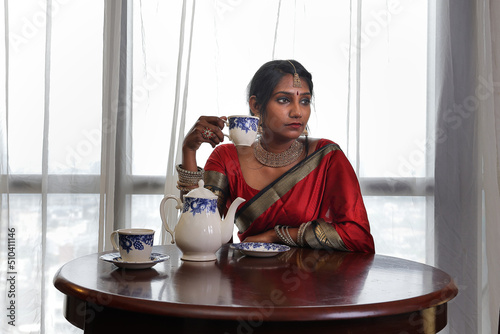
<point x="200" y="231"/>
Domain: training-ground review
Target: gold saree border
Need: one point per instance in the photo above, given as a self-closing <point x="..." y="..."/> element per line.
<point x="273" y="192"/>
<point x="216" y="180"/>
<point x="218" y="184"/>
<point x="320" y="234"/>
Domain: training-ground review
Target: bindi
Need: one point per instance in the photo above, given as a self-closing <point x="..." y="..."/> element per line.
<point x="297" y="93"/>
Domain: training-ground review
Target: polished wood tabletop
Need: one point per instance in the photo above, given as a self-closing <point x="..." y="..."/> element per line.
<point x="302" y="289"/>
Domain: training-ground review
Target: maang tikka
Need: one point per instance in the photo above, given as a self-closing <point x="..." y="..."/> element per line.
<point x="296" y="79"/>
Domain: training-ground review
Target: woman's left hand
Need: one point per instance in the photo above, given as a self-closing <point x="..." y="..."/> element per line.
<point x="267" y="237"/>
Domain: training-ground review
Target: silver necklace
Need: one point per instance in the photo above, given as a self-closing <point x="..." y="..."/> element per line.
<point x="278" y="159"/>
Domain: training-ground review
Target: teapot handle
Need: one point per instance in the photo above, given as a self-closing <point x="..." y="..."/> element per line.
<point x="164" y="217"/>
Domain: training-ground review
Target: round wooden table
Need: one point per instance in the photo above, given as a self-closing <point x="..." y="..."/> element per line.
<point x="294" y="292"/>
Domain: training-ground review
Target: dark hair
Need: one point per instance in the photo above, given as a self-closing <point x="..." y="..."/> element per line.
<point x="269" y="75"/>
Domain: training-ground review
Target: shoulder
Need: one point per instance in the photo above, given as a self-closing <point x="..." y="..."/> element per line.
<point x="220" y="157"/>
<point x="225" y="149"/>
<point x="318" y="143"/>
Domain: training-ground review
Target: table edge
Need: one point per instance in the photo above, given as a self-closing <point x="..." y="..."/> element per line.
<point x="299" y="313"/>
<point x="275" y="313"/>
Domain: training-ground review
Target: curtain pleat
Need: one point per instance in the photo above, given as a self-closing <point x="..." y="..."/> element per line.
<point x="116" y="134"/>
<point x="4" y="129"/>
<point x="179" y="108"/>
<point x="489" y="143"/>
<point x="353" y="84"/>
<point x="45" y="156"/>
<point x="185" y="95"/>
<point x="278" y="12"/>
<point x="4" y="160"/>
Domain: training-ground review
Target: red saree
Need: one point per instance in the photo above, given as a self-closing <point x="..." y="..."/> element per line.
<point x="322" y="188"/>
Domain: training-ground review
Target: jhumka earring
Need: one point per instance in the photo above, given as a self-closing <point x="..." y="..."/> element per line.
<point x="259" y="128"/>
<point x="296" y="79"/>
<point x="305" y="132"/>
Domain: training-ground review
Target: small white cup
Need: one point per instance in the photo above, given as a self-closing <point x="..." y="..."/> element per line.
<point x="242" y="129"/>
<point x="134" y="244"/>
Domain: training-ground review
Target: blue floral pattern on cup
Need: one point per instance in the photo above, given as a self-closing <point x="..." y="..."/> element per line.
<point x="131" y="242"/>
<point x="199" y="205"/>
<point x="244" y="123"/>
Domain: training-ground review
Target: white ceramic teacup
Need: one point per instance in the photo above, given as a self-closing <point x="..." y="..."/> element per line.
<point x="242" y="129"/>
<point x="134" y="244"/>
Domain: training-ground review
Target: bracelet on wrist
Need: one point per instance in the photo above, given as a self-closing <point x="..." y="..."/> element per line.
<point x="188" y="178"/>
<point x="289" y="237"/>
<point x="301" y="233"/>
<point x="284" y="235"/>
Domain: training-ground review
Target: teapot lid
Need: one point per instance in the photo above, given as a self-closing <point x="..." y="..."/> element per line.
<point x="201" y="192"/>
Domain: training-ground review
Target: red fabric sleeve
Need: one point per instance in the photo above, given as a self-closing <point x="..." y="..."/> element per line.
<point x="343" y="205"/>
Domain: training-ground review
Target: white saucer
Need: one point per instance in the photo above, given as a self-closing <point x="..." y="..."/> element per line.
<point x="260" y="249"/>
<point x="116" y="259"/>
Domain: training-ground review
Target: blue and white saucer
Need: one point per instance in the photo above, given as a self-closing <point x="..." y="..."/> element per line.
<point x="116" y="259"/>
<point x="260" y="249"/>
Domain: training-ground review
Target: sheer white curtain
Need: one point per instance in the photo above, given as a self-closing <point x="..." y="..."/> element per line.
<point x="50" y="139"/>
<point x="467" y="160"/>
<point x="489" y="139"/>
<point x="96" y="98"/>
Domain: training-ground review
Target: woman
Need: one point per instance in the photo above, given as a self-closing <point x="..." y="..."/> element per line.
<point x="299" y="191"/>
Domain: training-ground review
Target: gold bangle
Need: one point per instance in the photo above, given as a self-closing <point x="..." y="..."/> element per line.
<point x="185" y="189"/>
<point x="180" y="169"/>
<point x="301" y="232"/>
<point x="284" y="235"/>
<point x="289" y="237"/>
<point x="187" y="177"/>
<point x="187" y="184"/>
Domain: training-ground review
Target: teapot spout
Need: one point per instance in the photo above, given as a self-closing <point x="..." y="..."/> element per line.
<point x="228" y="222"/>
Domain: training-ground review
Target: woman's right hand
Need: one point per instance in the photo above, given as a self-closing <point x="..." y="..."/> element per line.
<point x="207" y="129"/>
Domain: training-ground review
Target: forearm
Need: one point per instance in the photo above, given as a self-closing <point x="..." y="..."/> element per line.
<point x="314" y="234"/>
<point x="189" y="160"/>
